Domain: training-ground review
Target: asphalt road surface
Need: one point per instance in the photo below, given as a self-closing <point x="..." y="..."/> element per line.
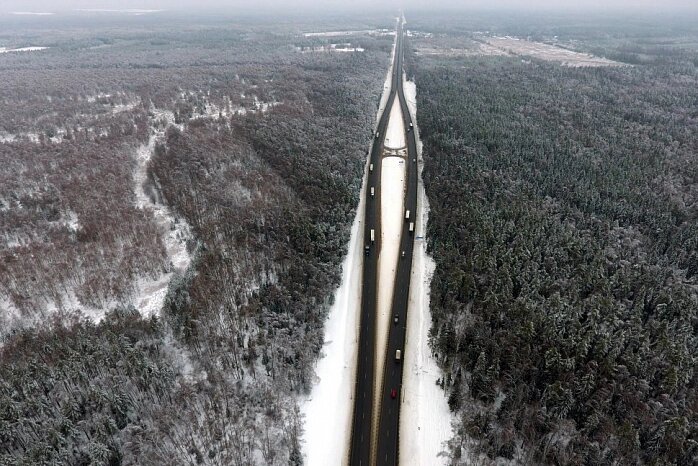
<point x="387" y="446"/>
<point x="389" y="416"/>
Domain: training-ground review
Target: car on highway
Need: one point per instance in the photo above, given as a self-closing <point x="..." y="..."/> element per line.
<point x="393" y="393"/>
<point x="396" y="318"/>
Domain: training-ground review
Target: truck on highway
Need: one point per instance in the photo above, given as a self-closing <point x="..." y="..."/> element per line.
<point x="370" y="167"/>
<point x="411" y="226"/>
<point x="407" y="215"/>
<point x="398" y="355"/>
<point x="373" y="235"/>
<point x="373" y="191"/>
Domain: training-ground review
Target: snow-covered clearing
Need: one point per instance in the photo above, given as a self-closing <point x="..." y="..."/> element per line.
<point x="329" y="408"/>
<point x="228" y="108"/>
<point x="371" y="32"/>
<point x="12" y="319"/>
<point x="516" y="46"/>
<point x="149" y="294"/>
<point x="22" y="49"/>
<point x="175" y="231"/>
<point x="425" y="420"/>
<point x="420" y="34"/>
<point x="343" y="47"/>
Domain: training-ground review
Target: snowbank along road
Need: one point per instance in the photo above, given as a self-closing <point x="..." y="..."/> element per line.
<point x="375" y="428"/>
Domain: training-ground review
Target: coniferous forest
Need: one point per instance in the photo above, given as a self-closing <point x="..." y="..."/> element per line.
<point x="564" y="226"/>
<point x="176" y="195"/>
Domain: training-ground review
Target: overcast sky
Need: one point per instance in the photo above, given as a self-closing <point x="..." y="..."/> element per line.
<point x="330" y="5"/>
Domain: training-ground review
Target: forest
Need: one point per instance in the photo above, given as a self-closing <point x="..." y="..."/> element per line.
<point x="259" y="148"/>
<point x="564" y="226"/>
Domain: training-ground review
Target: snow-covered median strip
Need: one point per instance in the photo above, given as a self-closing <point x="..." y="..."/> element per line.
<point x="395" y="132"/>
<point x="392" y="194"/>
<point x="425" y="420"/>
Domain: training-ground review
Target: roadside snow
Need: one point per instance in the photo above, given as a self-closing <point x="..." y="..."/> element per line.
<point x="328" y="410"/>
<point x="386" y="85"/>
<point x="425" y="420"/>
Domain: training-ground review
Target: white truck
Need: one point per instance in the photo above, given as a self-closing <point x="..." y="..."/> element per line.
<point x="373" y="191"/>
<point x="370" y="167"/>
<point x="407" y="215"/>
<point x="398" y="355"/>
<point x="411" y="226"/>
<point x="373" y="235"/>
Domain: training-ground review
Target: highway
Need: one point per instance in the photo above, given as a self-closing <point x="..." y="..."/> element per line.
<point x="386" y="448"/>
<point x="389" y="416"/>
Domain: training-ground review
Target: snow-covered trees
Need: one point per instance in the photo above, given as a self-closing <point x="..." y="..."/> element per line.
<point x="563" y="225"/>
<point x="262" y="158"/>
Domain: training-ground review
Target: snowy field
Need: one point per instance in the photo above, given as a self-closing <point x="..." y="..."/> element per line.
<point x="515" y="46"/>
<point x="425" y="420"/>
<point x="484" y="44"/>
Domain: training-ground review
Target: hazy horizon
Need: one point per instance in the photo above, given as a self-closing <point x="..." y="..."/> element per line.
<point x="329" y="6"/>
